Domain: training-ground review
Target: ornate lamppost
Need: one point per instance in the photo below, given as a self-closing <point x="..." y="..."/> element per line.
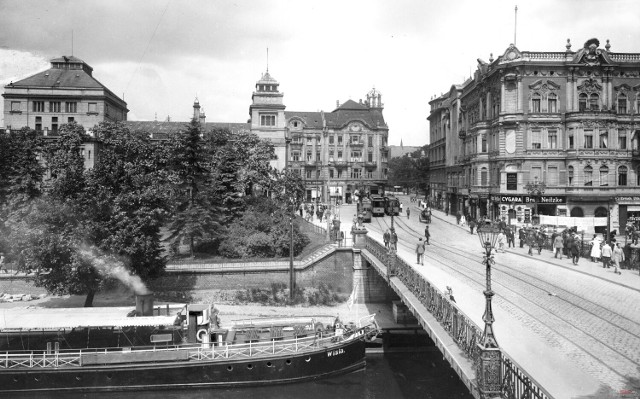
<point x="536" y="189"/>
<point x="489" y="365"/>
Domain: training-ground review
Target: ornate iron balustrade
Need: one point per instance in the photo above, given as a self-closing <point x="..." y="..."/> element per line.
<point x="516" y="382"/>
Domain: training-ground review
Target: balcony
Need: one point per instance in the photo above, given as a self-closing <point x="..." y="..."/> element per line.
<point x="340" y="163"/>
<point x="311" y="163"/>
<point x="371" y="164"/>
<point x="356" y="143"/>
<point x="296" y="144"/>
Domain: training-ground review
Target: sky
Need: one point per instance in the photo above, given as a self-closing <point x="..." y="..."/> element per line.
<point x="162" y="54"/>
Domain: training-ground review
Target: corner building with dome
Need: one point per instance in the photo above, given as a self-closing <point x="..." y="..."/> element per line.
<point x="537" y="133"/>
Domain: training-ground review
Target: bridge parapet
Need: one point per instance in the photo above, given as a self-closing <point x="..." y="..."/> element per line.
<point x="516" y="382"/>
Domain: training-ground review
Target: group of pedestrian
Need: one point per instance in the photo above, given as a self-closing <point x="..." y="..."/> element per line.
<point x="390" y="238"/>
<point x="420" y="246"/>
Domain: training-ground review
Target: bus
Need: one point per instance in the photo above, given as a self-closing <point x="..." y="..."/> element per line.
<point x="391" y="205"/>
<point x="377" y="206"/>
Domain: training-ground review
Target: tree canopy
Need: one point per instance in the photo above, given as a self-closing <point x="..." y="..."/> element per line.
<point x="410" y="170"/>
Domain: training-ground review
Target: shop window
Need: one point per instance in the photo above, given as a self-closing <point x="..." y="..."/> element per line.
<point x="604" y="173"/>
<point x="588" y="176"/>
<point x="622" y="176"/>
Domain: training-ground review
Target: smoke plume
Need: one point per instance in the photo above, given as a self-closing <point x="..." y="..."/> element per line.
<point x="112" y="267"/>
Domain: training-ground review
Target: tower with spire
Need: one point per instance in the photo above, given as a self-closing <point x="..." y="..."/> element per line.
<point x="267" y="116"/>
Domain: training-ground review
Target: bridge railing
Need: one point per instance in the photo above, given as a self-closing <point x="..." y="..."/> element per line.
<point x="516" y="382"/>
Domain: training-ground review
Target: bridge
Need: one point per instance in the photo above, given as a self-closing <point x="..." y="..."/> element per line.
<point x="563" y="330"/>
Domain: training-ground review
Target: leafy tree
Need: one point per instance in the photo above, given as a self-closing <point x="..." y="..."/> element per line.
<point x="65" y="161"/>
<point x="410" y="170"/>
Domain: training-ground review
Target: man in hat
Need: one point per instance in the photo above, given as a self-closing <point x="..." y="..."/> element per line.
<point x="420" y="252"/>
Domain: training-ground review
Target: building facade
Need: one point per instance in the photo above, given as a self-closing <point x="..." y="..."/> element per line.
<point x="543" y="133"/>
<point x="341" y="154"/>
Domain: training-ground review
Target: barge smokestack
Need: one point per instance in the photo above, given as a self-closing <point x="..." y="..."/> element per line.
<point x="144" y="304"/>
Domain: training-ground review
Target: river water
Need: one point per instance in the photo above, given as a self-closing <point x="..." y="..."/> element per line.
<point x="406" y="375"/>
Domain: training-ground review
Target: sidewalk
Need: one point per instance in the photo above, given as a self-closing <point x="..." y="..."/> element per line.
<point x="584" y="266"/>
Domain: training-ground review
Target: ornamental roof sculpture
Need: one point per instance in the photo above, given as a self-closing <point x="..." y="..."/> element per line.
<point x="590" y="54"/>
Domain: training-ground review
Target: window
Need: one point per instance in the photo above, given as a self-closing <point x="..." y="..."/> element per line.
<point x="318" y="156"/>
<point x="622" y="140"/>
<point x="318" y="140"/>
<point x="570" y="144"/>
<point x="355" y="139"/>
<point x="331" y="173"/>
<point x="604" y="173"/>
<point x="588" y="139"/>
<point x="369" y="174"/>
<point x="308" y="173"/>
<point x="356" y="173"/>
<point x="370" y="156"/>
<point x="317" y="175"/>
<point x="331" y="139"/>
<point x="484" y="143"/>
<point x="38" y="106"/>
<point x="593" y="102"/>
<point x="330" y="155"/>
<point x="588" y="176"/>
<point x="339" y="139"/>
<point x="570" y="175"/>
<point x="552" y="103"/>
<point x="54" y="106"/>
<point x="536" y="173"/>
<point x="339" y="155"/>
<point x="582" y="102"/>
<point x="309" y="140"/>
<point x="309" y="156"/>
<point x="70" y="119"/>
<point x="267" y="120"/>
<point x="369" y="141"/>
<point x="15" y="106"/>
<point x="622" y="104"/>
<point x="552" y="176"/>
<point x="637" y="104"/>
<point x="552" y="139"/>
<point x="356" y="156"/>
<point x="483" y="176"/>
<point x="39" y="122"/>
<point x="295" y="156"/>
<point x="71" y="107"/>
<point x="622" y="176"/>
<point x="339" y="173"/>
<point x="93" y="109"/>
<point x="54" y="124"/>
<point x="536" y="140"/>
<point x="535" y="102"/>
<point x="604" y="139"/>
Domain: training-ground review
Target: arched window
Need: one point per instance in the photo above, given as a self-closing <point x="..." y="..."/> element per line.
<point x="552" y="103"/>
<point x="535" y="102"/>
<point x="576" y="212"/>
<point x="594" y="102"/>
<point x="570" y="175"/>
<point x="600" y="212"/>
<point x="622" y="103"/>
<point x="604" y="173"/>
<point x="622" y="176"/>
<point x="588" y="176"/>
<point x="582" y="102"/>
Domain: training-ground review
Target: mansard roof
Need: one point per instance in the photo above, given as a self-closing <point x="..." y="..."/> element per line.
<point x="53" y="77"/>
<point x="312" y="120"/>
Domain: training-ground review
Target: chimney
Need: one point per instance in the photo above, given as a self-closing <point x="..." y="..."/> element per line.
<point x="144" y="304"/>
<point x="337" y="103"/>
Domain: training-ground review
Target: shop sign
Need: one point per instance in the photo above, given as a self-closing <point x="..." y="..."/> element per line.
<point x="526" y="199"/>
<point x="627" y="199"/>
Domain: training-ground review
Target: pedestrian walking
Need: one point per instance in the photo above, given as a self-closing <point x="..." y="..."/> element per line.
<point x="502" y="240"/>
<point x="511" y="238"/>
<point x="420" y="252"/>
<point x="463" y="220"/>
<point x="458" y="217"/>
<point x="531" y="241"/>
<point x="558" y="245"/>
<point x="408" y="212"/>
<point x="540" y="238"/>
<point x="427" y="234"/>
<point x="401" y="208"/>
<point x="472" y="225"/>
<point x="596" y="252"/>
<point x="606" y="255"/>
<point x="575" y="251"/>
<point x="522" y="236"/>
<point x="386" y="237"/>
<point x="393" y="240"/>
<point x="617" y="257"/>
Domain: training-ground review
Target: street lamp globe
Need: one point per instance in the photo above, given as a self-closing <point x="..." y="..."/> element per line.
<point x="488" y="235"/>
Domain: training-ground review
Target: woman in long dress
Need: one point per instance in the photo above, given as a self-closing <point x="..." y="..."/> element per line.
<point x="596" y="252"/>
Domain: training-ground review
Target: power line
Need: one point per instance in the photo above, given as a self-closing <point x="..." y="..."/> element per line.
<point x="148" y="44"/>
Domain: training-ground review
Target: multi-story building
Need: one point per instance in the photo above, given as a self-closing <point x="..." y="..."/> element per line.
<point x="547" y="133"/>
<point x="338" y="154"/>
<point x="343" y="153"/>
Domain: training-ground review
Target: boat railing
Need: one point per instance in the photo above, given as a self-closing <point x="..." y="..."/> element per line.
<point x="203" y="351"/>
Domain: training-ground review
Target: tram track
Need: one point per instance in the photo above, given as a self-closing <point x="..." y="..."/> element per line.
<point x="587" y="322"/>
